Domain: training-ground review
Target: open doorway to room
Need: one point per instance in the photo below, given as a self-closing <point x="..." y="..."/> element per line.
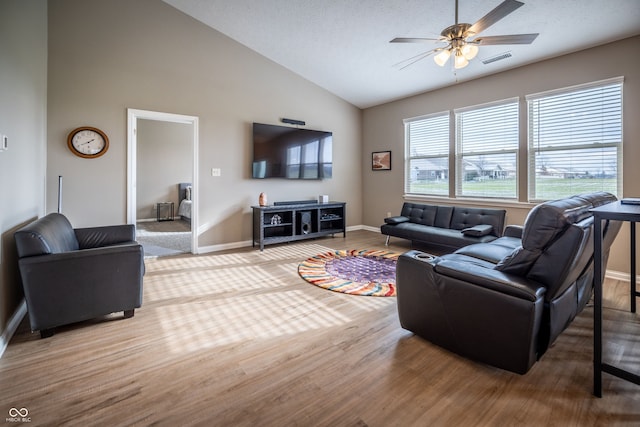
<point x="161" y="184"/>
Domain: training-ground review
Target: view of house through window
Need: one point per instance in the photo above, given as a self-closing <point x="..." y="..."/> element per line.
<point x="574" y="146"/>
<point x="487" y="151"/>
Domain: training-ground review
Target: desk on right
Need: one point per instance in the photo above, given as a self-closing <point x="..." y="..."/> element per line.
<point x="617" y="211"/>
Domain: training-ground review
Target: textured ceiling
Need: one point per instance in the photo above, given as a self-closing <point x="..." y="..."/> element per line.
<point x="343" y="45"/>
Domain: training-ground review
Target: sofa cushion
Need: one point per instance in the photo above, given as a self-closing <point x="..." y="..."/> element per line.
<point x="447" y="237"/>
<point x="443" y="216"/>
<point x="492" y="252"/>
<point x="419" y="214"/>
<point x="478" y="230"/>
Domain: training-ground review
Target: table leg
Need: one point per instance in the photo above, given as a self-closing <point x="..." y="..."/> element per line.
<point x="597" y="308"/>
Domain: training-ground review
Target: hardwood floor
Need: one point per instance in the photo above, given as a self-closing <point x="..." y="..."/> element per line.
<point x="238" y="339"/>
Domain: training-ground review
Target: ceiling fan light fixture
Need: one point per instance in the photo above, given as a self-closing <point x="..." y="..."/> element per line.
<point x="469" y="51"/>
<point x="460" y="61"/>
<point x="442" y="57"/>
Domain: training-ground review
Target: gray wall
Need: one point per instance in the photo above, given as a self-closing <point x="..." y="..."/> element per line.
<point x="383" y="127"/>
<point x="23" y="102"/>
<point x="164" y="159"/>
<point x="144" y="54"/>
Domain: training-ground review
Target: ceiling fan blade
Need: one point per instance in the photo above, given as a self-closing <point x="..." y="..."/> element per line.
<point x="413" y="40"/>
<point x="502" y="10"/>
<point x="414" y="59"/>
<point x="510" y="39"/>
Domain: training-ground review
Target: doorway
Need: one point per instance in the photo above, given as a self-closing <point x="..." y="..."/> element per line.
<point x="149" y="132"/>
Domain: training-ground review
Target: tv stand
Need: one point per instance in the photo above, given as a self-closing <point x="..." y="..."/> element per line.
<point x="297" y="221"/>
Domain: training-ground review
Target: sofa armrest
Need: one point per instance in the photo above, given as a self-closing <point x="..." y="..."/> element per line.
<point x="96" y="237"/>
<point x="513" y="231"/>
<point x="395" y="219"/>
<point x="495" y="280"/>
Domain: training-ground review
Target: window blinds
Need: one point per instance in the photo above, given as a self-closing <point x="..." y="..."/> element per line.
<point x="487" y="150"/>
<point x="427" y="162"/>
<point x="575" y="140"/>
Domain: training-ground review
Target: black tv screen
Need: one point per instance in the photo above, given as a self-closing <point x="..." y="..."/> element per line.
<point x="292" y="153"/>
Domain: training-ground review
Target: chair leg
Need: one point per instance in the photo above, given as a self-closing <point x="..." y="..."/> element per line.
<point x="386" y="243"/>
<point x="128" y="313"/>
<point x="46" y="333"/>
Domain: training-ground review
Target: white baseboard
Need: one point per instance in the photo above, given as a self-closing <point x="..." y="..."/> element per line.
<point x="620" y="275"/>
<point x="368" y="228"/>
<point x="223" y="247"/>
<point x="12" y="326"/>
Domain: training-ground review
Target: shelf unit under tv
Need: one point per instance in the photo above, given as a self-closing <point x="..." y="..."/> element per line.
<point x="297" y="221"/>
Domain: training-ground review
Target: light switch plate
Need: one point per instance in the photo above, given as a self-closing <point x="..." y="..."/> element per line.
<point x="216" y="172"/>
<point x="4" y="142"/>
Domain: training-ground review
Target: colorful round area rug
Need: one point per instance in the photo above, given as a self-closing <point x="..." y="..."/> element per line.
<point x="356" y="272"/>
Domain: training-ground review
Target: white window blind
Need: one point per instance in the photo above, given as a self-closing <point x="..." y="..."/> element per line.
<point x="427" y="158"/>
<point x="575" y="140"/>
<point x="487" y="150"/>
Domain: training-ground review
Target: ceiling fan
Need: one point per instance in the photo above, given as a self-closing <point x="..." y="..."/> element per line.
<point x="462" y="39"/>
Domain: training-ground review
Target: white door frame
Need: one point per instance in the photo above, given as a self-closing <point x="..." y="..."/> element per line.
<point x="132" y="124"/>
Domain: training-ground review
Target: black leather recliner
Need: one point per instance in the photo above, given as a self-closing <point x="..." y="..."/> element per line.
<point x="70" y="275"/>
<point x="504" y="303"/>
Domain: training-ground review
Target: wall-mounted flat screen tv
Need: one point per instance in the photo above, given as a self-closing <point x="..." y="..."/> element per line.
<point x="292" y="153"/>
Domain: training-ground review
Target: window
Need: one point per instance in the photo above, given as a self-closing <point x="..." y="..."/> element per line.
<point x="575" y="140"/>
<point x="427" y="159"/>
<point x="487" y="150"/>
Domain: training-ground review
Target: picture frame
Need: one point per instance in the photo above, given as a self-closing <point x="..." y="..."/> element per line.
<point x="381" y="160"/>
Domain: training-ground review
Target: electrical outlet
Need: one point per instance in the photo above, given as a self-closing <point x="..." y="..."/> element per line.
<point x="216" y="172"/>
<point x="388" y="214"/>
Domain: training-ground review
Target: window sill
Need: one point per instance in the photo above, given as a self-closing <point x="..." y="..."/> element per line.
<point x="466" y="201"/>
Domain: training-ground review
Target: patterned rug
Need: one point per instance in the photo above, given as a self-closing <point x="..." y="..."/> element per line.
<point x="356" y="272"/>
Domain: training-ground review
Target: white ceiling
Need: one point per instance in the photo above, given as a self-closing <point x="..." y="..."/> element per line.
<point x="343" y="45"/>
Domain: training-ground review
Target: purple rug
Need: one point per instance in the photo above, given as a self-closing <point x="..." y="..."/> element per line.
<point x="356" y="272"/>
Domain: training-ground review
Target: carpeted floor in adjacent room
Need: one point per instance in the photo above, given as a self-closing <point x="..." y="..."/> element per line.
<point x="162" y="238"/>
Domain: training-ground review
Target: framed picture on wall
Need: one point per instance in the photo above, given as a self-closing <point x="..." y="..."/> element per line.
<point x="381" y="160"/>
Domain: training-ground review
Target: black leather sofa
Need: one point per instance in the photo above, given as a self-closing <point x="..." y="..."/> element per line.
<point x="504" y="303"/>
<point x="70" y="275"/>
<point x="446" y="227"/>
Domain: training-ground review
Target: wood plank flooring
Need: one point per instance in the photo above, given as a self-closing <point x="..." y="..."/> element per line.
<point x="238" y="339"/>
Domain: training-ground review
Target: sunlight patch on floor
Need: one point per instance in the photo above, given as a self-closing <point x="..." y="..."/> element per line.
<point x="300" y="251"/>
<point x="195" y="262"/>
<point x="210" y="282"/>
<point x="208" y="324"/>
<point x="297" y="251"/>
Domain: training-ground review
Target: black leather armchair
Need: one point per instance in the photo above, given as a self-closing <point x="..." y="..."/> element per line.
<point x="70" y="275"/>
<point x="504" y="303"/>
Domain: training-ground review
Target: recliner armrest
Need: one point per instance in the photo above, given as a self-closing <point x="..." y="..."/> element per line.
<point x="491" y="279"/>
<point x="513" y="231"/>
<point x="96" y="237"/>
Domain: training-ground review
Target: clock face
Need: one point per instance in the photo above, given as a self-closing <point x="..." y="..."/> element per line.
<point x="88" y="142"/>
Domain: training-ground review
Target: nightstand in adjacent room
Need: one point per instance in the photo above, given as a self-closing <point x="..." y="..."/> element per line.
<point x="164" y="211"/>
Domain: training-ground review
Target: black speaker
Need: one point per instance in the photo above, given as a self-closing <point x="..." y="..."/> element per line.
<point x="305" y="222"/>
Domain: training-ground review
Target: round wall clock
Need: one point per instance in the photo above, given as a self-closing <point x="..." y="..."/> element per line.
<point x="88" y="142"/>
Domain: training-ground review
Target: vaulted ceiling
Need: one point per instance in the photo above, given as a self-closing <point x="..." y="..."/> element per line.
<point x="343" y="45"/>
